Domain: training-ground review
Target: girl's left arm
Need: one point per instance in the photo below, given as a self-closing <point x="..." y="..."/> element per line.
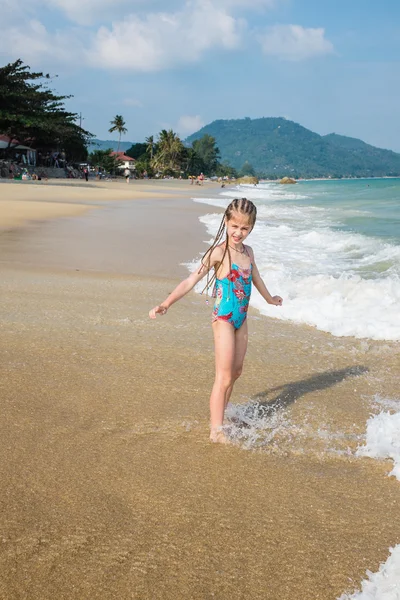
<point x="260" y="285"/>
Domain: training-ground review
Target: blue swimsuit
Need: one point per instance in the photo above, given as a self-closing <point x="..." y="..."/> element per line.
<point x="233" y="296"/>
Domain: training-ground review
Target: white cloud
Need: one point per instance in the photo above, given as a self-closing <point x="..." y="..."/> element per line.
<point x="148" y="43"/>
<point x="11" y="11"/>
<point x="134" y="102"/>
<point x="162" y="40"/>
<point x="145" y="41"/>
<point x="294" y="42"/>
<point x="34" y="42"/>
<point x="188" y="124"/>
<point x="83" y="11"/>
<point x="87" y="11"/>
<point x="249" y="4"/>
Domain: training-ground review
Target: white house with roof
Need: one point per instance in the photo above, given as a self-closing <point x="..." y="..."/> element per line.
<point x="127" y="161"/>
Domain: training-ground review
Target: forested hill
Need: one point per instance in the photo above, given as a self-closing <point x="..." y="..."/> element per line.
<point x="278" y="147"/>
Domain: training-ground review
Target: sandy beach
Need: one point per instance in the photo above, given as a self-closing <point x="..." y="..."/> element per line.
<point x="109" y="487"/>
<point x="23" y="201"/>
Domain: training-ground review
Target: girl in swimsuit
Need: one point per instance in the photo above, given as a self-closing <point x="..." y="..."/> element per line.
<point x="235" y="271"/>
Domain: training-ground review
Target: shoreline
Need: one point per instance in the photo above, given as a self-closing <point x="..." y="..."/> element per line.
<point x="113" y="487"/>
<point x="111" y="239"/>
<point x="22" y="202"/>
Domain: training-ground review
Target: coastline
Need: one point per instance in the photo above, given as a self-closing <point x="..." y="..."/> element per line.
<point x="24" y="201"/>
<point x="113" y="489"/>
<point x="111" y="239"/>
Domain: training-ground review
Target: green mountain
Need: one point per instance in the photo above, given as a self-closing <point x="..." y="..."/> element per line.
<point x="276" y="147"/>
<point x="96" y="144"/>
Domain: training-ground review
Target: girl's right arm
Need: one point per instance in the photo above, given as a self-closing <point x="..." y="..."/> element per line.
<point x="187" y="284"/>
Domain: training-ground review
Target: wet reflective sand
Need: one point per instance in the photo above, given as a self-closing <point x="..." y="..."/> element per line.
<point x="109" y="487"/>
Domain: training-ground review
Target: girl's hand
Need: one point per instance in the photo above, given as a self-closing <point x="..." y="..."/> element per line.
<point x="277" y="301"/>
<point x="158" y="310"/>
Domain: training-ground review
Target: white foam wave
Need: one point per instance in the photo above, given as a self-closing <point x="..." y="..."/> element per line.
<point x="383" y="585"/>
<point x="386" y="403"/>
<point x="268" y="426"/>
<point x="383" y="439"/>
<point x="253" y="425"/>
<point x="265" y="191"/>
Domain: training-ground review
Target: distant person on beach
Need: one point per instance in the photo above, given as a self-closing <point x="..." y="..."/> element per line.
<point x="86" y="173"/>
<point x="234" y="272"/>
<point x="127" y="174"/>
<point x="55" y="160"/>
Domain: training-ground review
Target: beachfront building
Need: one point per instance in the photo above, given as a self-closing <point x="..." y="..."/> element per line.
<point x="20" y="153"/>
<point x="127" y="161"/>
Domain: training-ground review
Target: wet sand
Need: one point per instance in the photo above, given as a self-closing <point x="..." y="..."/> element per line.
<point x="109" y="487"/>
<point x="24" y="201"/>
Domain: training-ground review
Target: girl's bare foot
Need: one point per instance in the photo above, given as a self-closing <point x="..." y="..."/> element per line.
<point x="217" y="436"/>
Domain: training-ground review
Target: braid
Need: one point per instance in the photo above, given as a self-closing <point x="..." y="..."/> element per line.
<point x="238" y="205"/>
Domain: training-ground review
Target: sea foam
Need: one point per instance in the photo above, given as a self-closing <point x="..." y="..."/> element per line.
<point x="383" y="585"/>
<point x="383" y="439"/>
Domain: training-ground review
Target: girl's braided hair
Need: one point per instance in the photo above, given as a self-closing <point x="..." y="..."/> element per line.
<point x="243" y="206"/>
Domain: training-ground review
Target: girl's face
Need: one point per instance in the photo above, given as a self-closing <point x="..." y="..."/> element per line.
<point x="238" y="228"/>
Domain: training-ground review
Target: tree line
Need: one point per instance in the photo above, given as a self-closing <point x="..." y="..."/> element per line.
<point x="165" y="155"/>
<point x="33" y="114"/>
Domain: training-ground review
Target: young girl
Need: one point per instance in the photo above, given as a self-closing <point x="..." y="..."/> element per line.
<point x="234" y="272"/>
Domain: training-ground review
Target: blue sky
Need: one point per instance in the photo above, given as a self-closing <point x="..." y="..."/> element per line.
<point x="330" y="65"/>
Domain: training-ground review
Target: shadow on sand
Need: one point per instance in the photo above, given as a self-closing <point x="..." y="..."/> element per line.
<point x="290" y="392"/>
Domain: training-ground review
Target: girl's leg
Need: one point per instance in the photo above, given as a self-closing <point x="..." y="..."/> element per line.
<point x="224" y="344"/>
<point x="241" y="339"/>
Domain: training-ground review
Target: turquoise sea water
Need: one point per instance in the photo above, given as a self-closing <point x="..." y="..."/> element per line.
<point x="373" y="204"/>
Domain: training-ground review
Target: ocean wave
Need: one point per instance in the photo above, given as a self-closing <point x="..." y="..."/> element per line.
<point x="265" y="191"/>
<point x="383" y="439"/>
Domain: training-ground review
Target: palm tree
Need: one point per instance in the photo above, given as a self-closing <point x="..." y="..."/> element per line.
<point x="150" y="146"/>
<point x="169" y="152"/>
<point x="118" y="124"/>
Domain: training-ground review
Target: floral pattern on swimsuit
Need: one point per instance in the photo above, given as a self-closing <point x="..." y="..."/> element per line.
<point x="233" y="296"/>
